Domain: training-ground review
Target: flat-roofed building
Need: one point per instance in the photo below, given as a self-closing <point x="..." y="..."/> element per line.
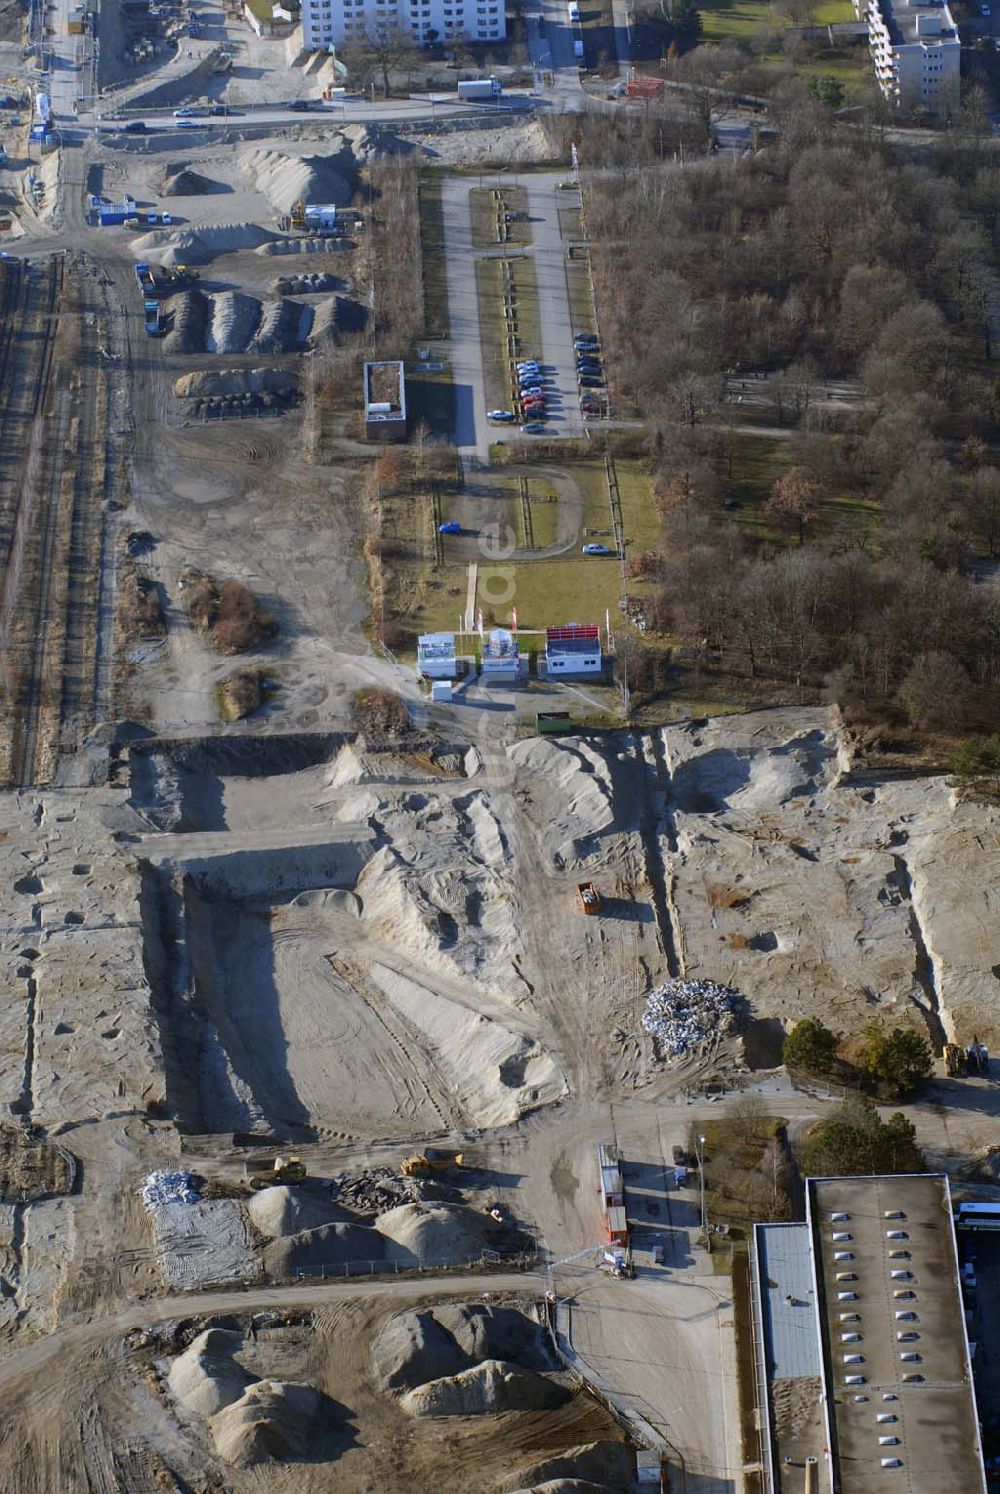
<point x="385" y="401"/>
<point x="863" y="1360"/>
<point x="915" y="52"/>
<point x="437" y="658"/>
<point x="574" y="649"/>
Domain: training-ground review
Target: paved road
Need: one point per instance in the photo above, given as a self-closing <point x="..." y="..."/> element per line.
<point x="472" y="436"/>
<point x="549" y="254"/>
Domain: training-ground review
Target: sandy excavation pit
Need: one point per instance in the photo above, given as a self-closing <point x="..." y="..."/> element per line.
<point x="314" y="980"/>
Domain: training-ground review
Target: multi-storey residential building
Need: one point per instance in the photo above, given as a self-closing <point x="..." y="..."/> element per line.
<point x="330" y="23"/>
<point x="915" y="51"/>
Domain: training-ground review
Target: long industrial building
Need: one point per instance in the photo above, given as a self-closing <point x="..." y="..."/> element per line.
<point x="327" y="24"/>
<point x="863" y="1367"/>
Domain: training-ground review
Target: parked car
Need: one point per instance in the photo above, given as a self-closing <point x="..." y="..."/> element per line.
<point x="586" y="340"/>
<point x="589" y="381"/>
<point x="452" y="526"/>
<point x="499" y="415"/>
<point x="534" y="429"/>
<point x="594" y="549"/>
<point x="529" y="364"/>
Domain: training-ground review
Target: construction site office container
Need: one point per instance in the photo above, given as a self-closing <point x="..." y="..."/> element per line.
<point x="617" y="1225"/>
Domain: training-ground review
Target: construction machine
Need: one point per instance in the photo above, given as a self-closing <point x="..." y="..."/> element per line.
<point x="431" y="1159"/>
<point x="289" y="1170"/>
<point x="959" y="1060"/>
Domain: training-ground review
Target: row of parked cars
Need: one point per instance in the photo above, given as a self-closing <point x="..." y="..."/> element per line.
<point x="589" y="374"/>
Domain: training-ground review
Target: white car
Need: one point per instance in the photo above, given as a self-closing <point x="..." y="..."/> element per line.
<point x="499" y="415"/>
<point x="184" y="112"/>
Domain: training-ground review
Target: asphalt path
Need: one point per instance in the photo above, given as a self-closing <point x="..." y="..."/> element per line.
<point x="548" y="249"/>
<point x="472" y="435"/>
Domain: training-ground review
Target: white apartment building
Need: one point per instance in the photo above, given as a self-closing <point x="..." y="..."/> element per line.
<point x="915" y="51"/>
<point x="330" y="23"/>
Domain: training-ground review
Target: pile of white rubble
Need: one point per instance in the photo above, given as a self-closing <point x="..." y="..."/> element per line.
<point x="680" y="1014"/>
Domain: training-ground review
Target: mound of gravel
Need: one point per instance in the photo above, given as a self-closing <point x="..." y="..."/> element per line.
<point x="303" y="246"/>
<point x="188" y="315"/>
<point x="206" y="1377"/>
<point x="273" y="1421"/>
<point x="418" y="1346"/>
<point x="369" y="143"/>
<point x="414" y="1348"/>
<point x="196" y="246"/>
<point x="286" y="177"/>
<point x="179" y="181"/>
<point x="309" y="283"/>
<point x="486" y="1389"/>
<point x="419" y="1234"/>
<point x="235" y="381"/>
<point x="233" y="321"/>
<point x="601" y="1465"/>
<point x="496" y="1333"/>
<point x="290" y="1211"/>
<point x="284" y="327"/>
<point x="328" y="1245"/>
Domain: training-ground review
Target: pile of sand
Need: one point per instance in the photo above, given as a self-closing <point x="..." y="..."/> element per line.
<point x="206" y="1377"/>
<point x="580" y="800"/>
<point x="284" y="326"/>
<point x="419" y="1234"/>
<point x="417" y="1346"/>
<point x="179" y="181"/>
<point x="197" y="246"/>
<point x="233" y="322"/>
<point x="486" y="1389"/>
<point x="369" y="143"/>
<point x="288" y="1211"/>
<point x="188" y="315"/>
<point x="328" y="1245"/>
<point x="285" y="177"/>
<point x="594" y="1465"/>
<point x="274" y="1419"/>
<point x="474" y="146"/>
<point x="235" y="381"/>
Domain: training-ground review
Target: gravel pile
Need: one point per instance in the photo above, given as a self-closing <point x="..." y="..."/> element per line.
<point x="682" y="1013"/>
<point x="161" y="1188"/>
<point x="284" y="325"/>
<point x="188" y="314"/>
<point x="235" y="319"/>
<point x="311" y="283"/>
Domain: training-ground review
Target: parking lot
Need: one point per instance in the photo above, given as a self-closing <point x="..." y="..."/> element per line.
<point x="555" y="321"/>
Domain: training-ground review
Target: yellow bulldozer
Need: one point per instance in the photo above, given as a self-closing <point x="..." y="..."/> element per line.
<point x="431" y="1159"/>
<point x="285" y="1170"/>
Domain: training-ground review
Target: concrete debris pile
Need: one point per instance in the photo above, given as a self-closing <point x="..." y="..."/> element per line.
<point x="682" y="1013"/>
<point x="160" y="1188"/>
<point x="376" y="1189"/>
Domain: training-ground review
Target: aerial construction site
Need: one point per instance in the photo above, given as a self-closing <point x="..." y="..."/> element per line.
<point x="363" y="1046"/>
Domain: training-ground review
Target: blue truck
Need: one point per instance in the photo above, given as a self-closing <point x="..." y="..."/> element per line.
<point x="153" y="313"/>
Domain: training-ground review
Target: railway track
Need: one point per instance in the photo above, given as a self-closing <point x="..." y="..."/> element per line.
<point x="54" y="519"/>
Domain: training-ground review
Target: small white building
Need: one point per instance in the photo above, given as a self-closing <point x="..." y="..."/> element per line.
<point x="327" y="24"/>
<point x="915" y="52"/>
<point x="501" y="655"/>
<point x="436" y="656"/>
<point x="574" y="649"/>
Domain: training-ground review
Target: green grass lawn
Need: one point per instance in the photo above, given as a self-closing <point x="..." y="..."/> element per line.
<point x="489" y="287"/>
<point x="740" y="20"/>
<point x="484" y="216"/>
